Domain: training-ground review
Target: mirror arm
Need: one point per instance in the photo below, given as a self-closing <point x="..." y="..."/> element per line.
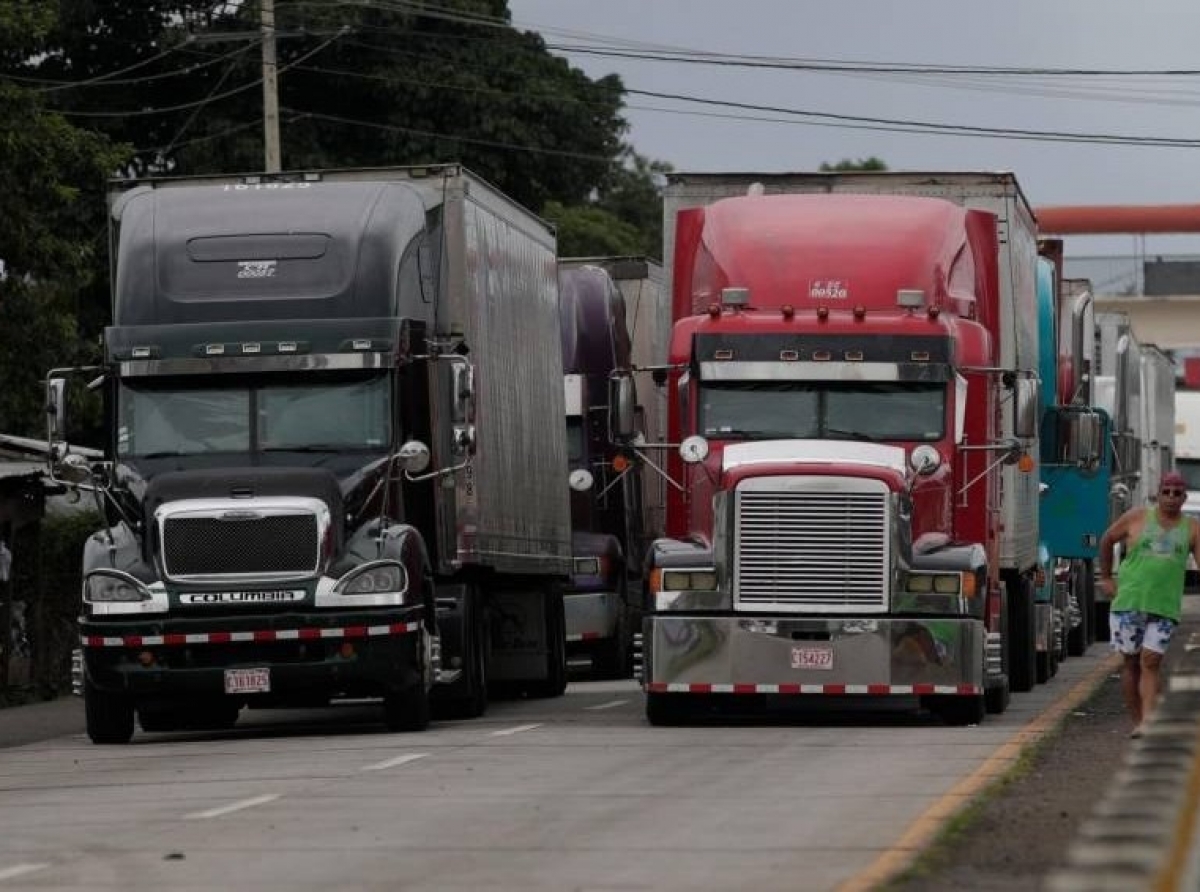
<point x="440" y="472"/>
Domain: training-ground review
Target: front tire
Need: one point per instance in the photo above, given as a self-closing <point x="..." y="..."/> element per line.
<point x="109" y="716"/>
<point x="555" y="682"/>
<point x="958" y="711"/>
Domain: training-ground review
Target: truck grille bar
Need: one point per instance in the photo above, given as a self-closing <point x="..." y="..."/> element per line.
<point x="817" y="545"/>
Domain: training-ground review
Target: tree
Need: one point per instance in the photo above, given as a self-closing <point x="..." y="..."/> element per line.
<point x="846" y="164"/>
<point x="51" y="239"/>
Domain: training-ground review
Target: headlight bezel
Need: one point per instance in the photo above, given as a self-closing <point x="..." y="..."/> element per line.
<point x="384" y="577"/>
<point x="135" y="591"/>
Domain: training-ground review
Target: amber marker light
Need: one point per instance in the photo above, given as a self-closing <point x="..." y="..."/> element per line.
<point x="620" y="464"/>
<point x="788" y="311"/>
<point x="1025" y="463"/>
<point x="822" y="313"/>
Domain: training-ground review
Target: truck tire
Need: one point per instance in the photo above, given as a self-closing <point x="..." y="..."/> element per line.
<point x="158" y="719"/>
<point x="613" y="658"/>
<point x="955" y="710"/>
<point x="555" y="682"/>
<point x="1081" y="637"/>
<point x="665" y="710"/>
<point x="1022" y="646"/>
<point x="407" y="710"/>
<point x="109" y="717"/>
<point x="475" y="703"/>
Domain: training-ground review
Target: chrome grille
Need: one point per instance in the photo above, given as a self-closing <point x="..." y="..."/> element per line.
<point x="811" y="545"/>
<point x="268" y="545"/>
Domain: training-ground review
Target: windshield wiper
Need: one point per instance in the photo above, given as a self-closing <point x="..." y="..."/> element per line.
<point x="849" y="435"/>
<point x="749" y="434"/>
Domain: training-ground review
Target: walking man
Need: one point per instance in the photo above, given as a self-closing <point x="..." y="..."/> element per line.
<point x="1156" y="541"/>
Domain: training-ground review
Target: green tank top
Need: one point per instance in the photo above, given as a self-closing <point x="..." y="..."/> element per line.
<point x="1152" y="573"/>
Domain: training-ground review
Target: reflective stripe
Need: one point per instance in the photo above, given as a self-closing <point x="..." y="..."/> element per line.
<point x="177" y="640"/>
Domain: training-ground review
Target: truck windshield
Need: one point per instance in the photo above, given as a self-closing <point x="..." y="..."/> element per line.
<point x="859" y="410"/>
<point x="183" y="416"/>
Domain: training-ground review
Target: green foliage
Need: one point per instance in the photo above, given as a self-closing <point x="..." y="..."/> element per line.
<point x="846" y="164"/>
<point x="590" y="231"/>
<point x="47" y="565"/>
<point x="90" y="88"/>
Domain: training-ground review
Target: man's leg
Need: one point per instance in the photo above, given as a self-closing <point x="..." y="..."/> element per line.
<point x="1127" y="629"/>
<point x="1131" y="685"/>
<point x="1157" y="638"/>
<point x="1149" y="682"/>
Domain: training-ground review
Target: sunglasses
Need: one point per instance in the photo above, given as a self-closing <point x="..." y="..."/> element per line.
<point x="1175" y="493"/>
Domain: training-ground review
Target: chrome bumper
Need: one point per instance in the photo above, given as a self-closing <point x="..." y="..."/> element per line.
<point x="764" y="654"/>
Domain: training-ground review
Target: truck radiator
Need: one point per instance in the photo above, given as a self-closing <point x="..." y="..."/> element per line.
<point x="268" y="545"/>
<point x="811" y="545"/>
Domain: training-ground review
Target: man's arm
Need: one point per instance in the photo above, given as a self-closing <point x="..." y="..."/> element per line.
<point x="1116" y="534"/>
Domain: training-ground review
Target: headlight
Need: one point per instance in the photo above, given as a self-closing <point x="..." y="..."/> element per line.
<point x="107" y="586"/>
<point x="587" y="566"/>
<point x="373" y="579"/>
<point x="689" y="580"/>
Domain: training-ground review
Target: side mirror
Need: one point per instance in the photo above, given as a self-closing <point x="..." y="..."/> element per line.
<point x="580" y="480"/>
<point x="622" y="408"/>
<point x="1027" y="400"/>
<point x="414" y="456"/>
<point x="56" y="410"/>
<point x="1085" y="440"/>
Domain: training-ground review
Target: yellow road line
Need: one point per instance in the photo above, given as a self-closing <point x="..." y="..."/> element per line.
<point x="926" y="827"/>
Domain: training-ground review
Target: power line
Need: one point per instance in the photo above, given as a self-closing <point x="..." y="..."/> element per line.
<point x="491" y="143"/>
<point x="72" y="113"/>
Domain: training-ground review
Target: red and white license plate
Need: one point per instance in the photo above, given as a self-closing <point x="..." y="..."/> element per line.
<point x="247" y="681"/>
<point x="812" y="657"/>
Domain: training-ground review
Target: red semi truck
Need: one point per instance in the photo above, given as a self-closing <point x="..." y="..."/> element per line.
<point x="850" y="381"/>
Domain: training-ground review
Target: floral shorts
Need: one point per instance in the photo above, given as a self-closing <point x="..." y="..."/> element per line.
<point x="1132" y="630"/>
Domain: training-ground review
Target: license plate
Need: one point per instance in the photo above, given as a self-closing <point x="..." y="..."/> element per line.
<point x="812" y="657"/>
<point x="247" y="681"/>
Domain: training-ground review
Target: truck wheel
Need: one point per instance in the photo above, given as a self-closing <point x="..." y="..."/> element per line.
<point x="475" y="703"/>
<point x="1080" y="637"/>
<point x="156" y="720"/>
<point x="555" y="681"/>
<point x="664" y="710"/>
<point x="957" y="711"/>
<point x="611" y="659"/>
<point x="1022" y="648"/>
<point x="109" y="717"/>
<point x="996" y="695"/>
<point x="407" y="710"/>
<point x="1047" y="664"/>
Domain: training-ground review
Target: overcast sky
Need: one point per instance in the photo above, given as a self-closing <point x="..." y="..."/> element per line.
<point x="1154" y="35"/>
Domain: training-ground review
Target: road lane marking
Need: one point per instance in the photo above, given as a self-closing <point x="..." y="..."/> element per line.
<point x="924" y="830"/>
<point x="19" y="870"/>
<point x="517" y="730"/>
<point x="609" y="705"/>
<point x="232" y="807"/>
<point x="393" y="762"/>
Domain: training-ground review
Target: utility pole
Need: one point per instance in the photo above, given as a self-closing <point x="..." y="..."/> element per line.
<point x="270" y="90"/>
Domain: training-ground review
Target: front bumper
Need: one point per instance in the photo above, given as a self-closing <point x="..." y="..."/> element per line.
<point x="788" y="655"/>
<point x="308" y="655"/>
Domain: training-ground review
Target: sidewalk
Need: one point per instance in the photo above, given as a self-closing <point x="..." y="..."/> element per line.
<point x="1142" y="835"/>
<point x="41" y="721"/>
